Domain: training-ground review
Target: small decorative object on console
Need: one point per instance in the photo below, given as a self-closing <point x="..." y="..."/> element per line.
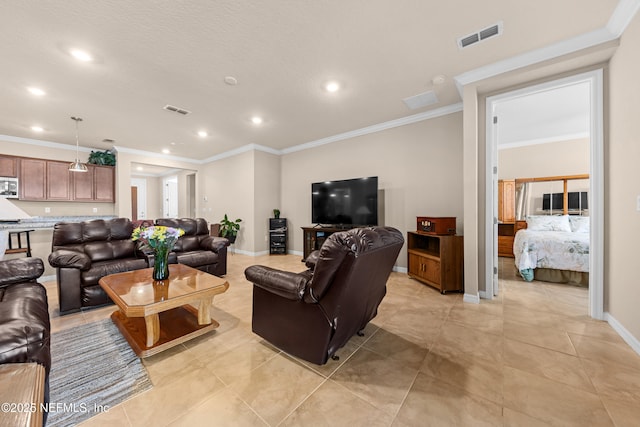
<point x="161" y="240"/>
<point x="436" y="225"/>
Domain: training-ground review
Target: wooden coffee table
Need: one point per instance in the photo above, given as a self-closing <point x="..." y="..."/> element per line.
<point x="156" y="315"/>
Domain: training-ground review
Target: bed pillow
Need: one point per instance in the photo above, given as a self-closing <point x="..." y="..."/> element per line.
<point x="548" y="223"/>
<point x="579" y="224"/>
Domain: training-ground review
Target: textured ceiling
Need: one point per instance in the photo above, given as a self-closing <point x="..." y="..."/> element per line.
<point x="152" y="53"/>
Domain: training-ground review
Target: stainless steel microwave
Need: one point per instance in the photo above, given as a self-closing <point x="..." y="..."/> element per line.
<point x="9" y="188"/>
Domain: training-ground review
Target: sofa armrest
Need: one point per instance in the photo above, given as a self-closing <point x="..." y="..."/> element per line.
<point x="312" y="260"/>
<point x="65" y="258"/>
<point x="283" y="283"/>
<point x="212" y="243"/>
<point x="20" y="270"/>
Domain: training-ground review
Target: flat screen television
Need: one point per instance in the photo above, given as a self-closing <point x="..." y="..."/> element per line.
<point x="346" y="202"/>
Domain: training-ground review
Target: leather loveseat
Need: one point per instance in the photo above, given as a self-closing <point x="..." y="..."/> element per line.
<point x="196" y="248"/>
<point x="84" y="252"/>
<point x="313" y="314"/>
<point x="24" y="315"/>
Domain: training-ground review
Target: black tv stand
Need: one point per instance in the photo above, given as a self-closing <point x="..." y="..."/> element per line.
<point x="315" y="236"/>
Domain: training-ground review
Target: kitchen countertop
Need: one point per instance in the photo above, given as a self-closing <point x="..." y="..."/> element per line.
<point x="44" y="222"/>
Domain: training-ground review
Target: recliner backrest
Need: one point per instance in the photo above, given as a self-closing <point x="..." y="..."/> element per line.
<point x="349" y="280"/>
<point x="358" y="258"/>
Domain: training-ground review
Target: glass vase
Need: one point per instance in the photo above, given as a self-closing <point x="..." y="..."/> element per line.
<point x="161" y="264"/>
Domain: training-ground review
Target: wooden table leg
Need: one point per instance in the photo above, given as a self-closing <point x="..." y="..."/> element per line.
<point x="204" y="311"/>
<point x="152" y="322"/>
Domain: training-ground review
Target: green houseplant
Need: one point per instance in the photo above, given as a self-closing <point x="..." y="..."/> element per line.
<point x="107" y="158"/>
<point x="229" y="229"/>
<point x="276" y="213"/>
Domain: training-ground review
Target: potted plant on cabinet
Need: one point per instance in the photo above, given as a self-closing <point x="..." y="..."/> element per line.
<point x="229" y="229"/>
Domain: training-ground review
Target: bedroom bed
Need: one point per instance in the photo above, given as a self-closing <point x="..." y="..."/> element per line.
<point x="554" y="249"/>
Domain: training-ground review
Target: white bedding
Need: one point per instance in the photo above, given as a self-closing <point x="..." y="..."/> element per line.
<point x="559" y="250"/>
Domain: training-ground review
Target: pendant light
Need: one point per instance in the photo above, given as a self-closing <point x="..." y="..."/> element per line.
<point x="77" y="166"/>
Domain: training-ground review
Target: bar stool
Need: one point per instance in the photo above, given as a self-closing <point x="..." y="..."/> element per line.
<point x="18" y="237"/>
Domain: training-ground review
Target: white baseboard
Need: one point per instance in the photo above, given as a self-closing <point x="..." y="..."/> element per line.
<point x="623" y="332"/>
<point x="470" y="298"/>
<point x="51" y="278"/>
<point x="300" y="253"/>
<point x="400" y="269"/>
<point x="482" y="294"/>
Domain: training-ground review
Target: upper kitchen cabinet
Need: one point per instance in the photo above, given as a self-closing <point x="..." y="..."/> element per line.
<point x="104" y="178"/>
<point x="8" y="166"/>
<point x="58" y="181"/>
<point x="33" y="179"/>
<point x="51" y="180"/>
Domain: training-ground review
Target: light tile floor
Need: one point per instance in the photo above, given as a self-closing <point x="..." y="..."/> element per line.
<point x="531" y="357"/>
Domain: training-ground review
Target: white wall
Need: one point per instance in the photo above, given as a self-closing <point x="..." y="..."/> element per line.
<point x="622" y="184"/>
<point x="540" y="160"/>
<point x="544" y="160"/>
<point x="228" y="185"/>
<point x="267" y="196"/>
<point x="419" y="166"/>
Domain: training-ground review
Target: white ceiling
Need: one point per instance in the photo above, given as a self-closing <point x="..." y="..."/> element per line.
<point x="548" y="116"/>
<point x="152" y="53"/>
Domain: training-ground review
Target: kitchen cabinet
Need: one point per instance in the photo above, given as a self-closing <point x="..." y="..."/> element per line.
<point x="58" y="181"/>
<point x="8" y="166"/>
<point x="33" y="179"/>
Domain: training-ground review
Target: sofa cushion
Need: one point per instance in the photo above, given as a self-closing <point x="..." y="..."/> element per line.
<point x="104" y="268"/>
<point x="24" y="324"/>
<point x="197" y="258"/>
<point x="115" y="249"/>
<point x="189" y="243"/>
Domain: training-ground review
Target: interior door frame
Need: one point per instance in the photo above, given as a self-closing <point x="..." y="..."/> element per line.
<point x="141" y="184"/>
<point x="596" y="182"/>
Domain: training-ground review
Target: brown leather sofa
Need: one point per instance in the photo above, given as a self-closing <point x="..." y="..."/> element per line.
<point x="83" y="252"/>
<point x="24" y="315"/>
<point x="313" y="314"/>
<point x="196" y="248"/>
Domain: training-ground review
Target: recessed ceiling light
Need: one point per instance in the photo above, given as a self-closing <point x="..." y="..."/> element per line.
<point x="166" y="151"/>
<point x="36" y="129"/>
<point x="256" y="120"/>
<point x="202" y="134"/>
<point x="36" y="91"/>
<point x="332" y="86"/>
<point x="139" y="168"/>
<point x="81" y="55"/>
<point x="230" y="80"/>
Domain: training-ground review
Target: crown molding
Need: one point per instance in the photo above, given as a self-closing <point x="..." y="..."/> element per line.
<point x="42" y="143"/>
<point x="240" y="150"/>
<point x="622" y="16"/>
<point x="565" y="47"/>
<point x="539" y="141"/>
<point x="120" y="149"/>
<point x="618" y="22"/>
<point x="431" y="114"/>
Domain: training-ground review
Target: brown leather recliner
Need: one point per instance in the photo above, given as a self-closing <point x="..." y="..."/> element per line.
<point x="84" y="252"/>
<point x="196" y="248"/>
<point x="314" y="313"/>
<point x="24" y="317"/>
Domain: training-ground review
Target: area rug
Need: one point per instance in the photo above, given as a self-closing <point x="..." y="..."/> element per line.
<point x="93" y="369"/>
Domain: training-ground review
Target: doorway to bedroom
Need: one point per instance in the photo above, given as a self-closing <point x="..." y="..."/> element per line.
<point x="544" y="174"/>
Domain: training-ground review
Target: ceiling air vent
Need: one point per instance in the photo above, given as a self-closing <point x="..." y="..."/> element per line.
<point x="478" y="36"/>
<point x="176" y="110"/>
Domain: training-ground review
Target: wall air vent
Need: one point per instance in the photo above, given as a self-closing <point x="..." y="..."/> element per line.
<point x="176" y="110"/>
<point x="478" y="36"/>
